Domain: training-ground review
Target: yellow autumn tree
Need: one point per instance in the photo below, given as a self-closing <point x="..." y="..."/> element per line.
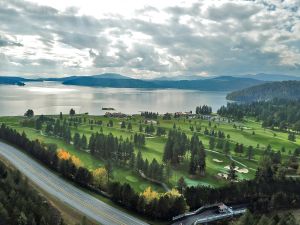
<point x="150" y="195"/>
<point x="174" y="193"/>
<point x="100" y="177"/>
<point x="63" y="154"/>
<point x="76" y="161"/>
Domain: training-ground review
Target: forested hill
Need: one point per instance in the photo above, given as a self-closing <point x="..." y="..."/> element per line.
<point x="267" y="91"/>
<point x="224" y="83"/>
<point x="12" y="80"/>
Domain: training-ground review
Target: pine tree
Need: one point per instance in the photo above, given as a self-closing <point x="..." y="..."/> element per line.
<point x="83" y="143"/>
<point x="232" y="173"/>
<point x="181" y="185"/>
<point x="129" y="126"/>
<point x="109" y="170"/>
<point x="212" y="143"/>
<point x="250" y="152"/>
<point x="77" y="141"/>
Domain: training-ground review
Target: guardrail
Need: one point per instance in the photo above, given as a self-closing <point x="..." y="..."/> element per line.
<point x="195" y="212"/>
<point x="220" y="216"/>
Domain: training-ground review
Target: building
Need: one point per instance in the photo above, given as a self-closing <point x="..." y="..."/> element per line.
<point x="222" y="208"/>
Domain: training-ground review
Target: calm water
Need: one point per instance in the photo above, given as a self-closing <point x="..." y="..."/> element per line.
<point x="53" y="97"/>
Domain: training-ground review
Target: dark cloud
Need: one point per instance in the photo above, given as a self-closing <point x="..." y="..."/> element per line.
<point x="209" y="37"/>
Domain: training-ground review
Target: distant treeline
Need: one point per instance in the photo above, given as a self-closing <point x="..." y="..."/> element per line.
<point x="20" y="204"/>
<point x="204" y="110"/>
<point x="263" y="92"/>
<point x="277" y="113"/>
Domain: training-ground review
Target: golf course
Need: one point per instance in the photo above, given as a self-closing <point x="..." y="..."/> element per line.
<point x="247" y="132"/>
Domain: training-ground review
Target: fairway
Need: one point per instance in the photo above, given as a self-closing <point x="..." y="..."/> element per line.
<point x="247" y="133"/>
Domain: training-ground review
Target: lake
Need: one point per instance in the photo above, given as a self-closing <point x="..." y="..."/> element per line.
<point x="53" y="98"/>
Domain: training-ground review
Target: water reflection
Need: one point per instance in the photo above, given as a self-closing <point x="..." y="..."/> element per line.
<point x="53" y="97"/>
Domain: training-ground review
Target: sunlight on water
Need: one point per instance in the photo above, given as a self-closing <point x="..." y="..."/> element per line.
<point x="50" y="90"/>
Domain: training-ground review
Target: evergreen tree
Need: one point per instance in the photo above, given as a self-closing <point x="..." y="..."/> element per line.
<point x="109" y="169"/>
<point x="77" y="140"/>
<point x="72" y="112"/>
<point x="181" y="185"/>
<point x="250" y="152"/>
<point x="129" y="126"/>
<point x="83" y="143"/>
<point x="211" y="143"/>
<point x="232" y="173"/>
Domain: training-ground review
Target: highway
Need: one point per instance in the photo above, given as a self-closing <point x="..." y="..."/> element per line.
<point x="67" y="193"/>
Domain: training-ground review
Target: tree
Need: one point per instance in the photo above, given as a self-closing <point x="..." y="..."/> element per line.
<point x="292" y="137"/>
<point x="211" y="143"/>
<point x="38" y="124"/>
<point x="168" y="172"/>
<point x="60" y="116"/>
<point x="181" y="185"/>
<point x="72" y="112"/>
<point x="246" y="219"/>
<point x="129" y="126"/>
<point x="109" y="169"/>
<point x="77" y="140"/>
<point x="141" y="128"/>
<point x="29" y="113"/>
<point x="83" y="176"/>
<point x="83" y="143"/>
<point x="250" y="152"/>
<point x="100" y="178"/>
<point x="123" y="125"/>
<point x="226" y="148"/>
<point x="232" y="172"/>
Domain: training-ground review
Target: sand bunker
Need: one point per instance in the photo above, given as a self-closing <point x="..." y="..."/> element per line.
<point x="247" y="128"/>
<point x="217" y="160"/>
<point x="237" y="169"/>
<point x="223" y="175"/>
<point x="244" y="170"/>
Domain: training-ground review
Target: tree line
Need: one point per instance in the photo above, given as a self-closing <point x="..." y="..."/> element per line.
<point x="204" y="110"/>
<point x="279" y="114"/>
<point x="20" y="204"/>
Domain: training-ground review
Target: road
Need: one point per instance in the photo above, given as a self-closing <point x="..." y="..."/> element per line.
<point x="67" y="193"/>
<point x="209" y="215"/>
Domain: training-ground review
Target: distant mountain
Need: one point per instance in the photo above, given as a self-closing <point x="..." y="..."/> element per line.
<point x="13" y="80"/>
<point x="225" y="83"/>
<point x="271" y="77"/>
<point x="222" y="83"/>
<point x="181" y="77"/>
<point x="93" y="81"/>
<point x="111" y="76"/>
<point x="267" y="91"/>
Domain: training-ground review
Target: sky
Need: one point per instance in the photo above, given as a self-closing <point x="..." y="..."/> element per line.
<point x="148" y="39"/>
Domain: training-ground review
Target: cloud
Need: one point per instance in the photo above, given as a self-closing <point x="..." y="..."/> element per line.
<point x="198" y="37"/>
<point x="6" y="42"/>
